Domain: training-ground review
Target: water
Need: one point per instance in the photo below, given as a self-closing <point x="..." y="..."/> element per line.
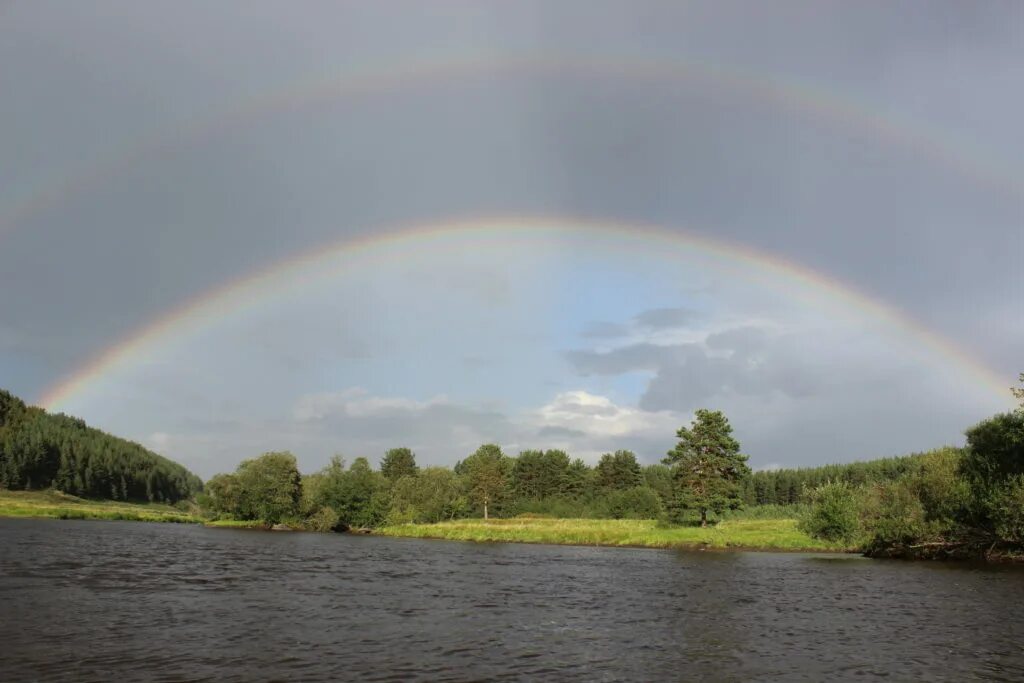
<point x="101" y="601"/>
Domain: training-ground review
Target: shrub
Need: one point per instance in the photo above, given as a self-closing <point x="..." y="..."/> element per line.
<point x="1007" y="509"/>
<point x="895" y="516"/>
<point x="942" y="491"/>
<point x="639" y="502"/>
<point x="324" y="519"/>
<point x="834" y="513"/>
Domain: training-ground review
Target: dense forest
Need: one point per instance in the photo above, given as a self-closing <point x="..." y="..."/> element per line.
<point x="962" y="502"/>
<point x="703" y="475"/>
<point x="950" y="502"/>
<point x="792" y="486"/>
<point x="39" y="450"/>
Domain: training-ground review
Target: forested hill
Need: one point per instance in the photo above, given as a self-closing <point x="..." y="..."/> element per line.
<point x="39" y="450"/>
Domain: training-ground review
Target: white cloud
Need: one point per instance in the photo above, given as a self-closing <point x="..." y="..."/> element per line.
<point x="597" y="416"/>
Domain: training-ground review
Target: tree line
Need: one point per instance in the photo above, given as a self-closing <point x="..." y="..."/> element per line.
<point x="39" y="450"/>
<point x="952" y="502"/>
<point x="793" y="486"/>
<point x="702" y="475"/>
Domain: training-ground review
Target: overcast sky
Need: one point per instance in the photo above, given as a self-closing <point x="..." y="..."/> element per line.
<point x="154" y="151"/>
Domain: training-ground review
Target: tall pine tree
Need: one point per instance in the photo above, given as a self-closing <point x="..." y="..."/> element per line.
<point x="707" y="466"/>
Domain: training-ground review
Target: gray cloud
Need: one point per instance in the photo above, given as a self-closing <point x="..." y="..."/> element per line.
<point x="602" y="329"/>
<point x="896" y="142"/>
<point x="666" y="318"/>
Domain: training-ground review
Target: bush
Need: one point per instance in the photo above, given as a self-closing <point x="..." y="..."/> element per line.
<point x="639" y="502"/>
<point x="1007" y="510"/>
<point x="994" y="457"/>
<point x="324" y="519"/>
<point x="432" y="495"/>
<point x="834" y="513"/>
<point x="896" y="517"/>
<point x="943" y="493"/>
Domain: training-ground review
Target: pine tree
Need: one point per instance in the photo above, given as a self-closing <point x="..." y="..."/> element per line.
<point x="707" y="466"/>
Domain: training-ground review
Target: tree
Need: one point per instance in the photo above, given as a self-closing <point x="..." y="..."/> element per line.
<point x="618" y="471"/>
<point x="269" y="487"/>
<point x="222" y="494"/>
<point x="357" y="495"/>
<point x="540" y="474"/>
<point x="834" y="512"/>
<point x="707" y="466"/>
<point x="1018" y="392"/>
<point x="486" y="475"/>
<point x="994" y="460"/>
<point x="398" y="463"/>
<point x="430" y="496"/>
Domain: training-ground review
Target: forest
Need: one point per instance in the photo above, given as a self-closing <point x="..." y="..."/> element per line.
<point x="42" y="451"/>
<point x="949" y="502"/>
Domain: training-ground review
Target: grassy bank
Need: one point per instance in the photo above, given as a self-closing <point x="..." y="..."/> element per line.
<point x="238" y="524"/>
<point x="753" y="534"/>
<point x="56" y="505"/>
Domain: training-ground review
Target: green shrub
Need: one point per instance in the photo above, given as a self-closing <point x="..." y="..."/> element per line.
<point x="896" y="516"/>
<point x="323" y="520"/>
<point x="1007" y="510"/>
<point x="834" y="512"/>
<point x="639" y="502"/>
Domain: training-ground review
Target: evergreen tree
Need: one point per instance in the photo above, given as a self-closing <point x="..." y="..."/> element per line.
<point x="618" y="471"/>
<point x="707" y="466"/>
<point x="398" y="463"/>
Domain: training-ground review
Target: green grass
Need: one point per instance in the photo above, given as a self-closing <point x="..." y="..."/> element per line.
<point x="751" y="534"/>
<point x="57" y="505"/>
<point x="238" y="524"/>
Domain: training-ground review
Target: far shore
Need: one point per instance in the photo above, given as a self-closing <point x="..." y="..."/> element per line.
<point x="772" y="535"/>
<point x="765" y="535"/>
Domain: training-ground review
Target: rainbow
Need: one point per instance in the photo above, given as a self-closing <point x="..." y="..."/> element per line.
<point x="799" y="98"/>
<point x="305" y="270"/>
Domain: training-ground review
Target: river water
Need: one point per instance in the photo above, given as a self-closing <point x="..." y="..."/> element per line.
<point x="127" y="601"/>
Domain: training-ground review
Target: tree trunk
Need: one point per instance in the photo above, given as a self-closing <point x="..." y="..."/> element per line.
<point x="485" y="509"/>
<point x="703" y="517"/>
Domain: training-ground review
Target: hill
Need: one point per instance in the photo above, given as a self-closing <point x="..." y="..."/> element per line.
<point x="39" y="451"/>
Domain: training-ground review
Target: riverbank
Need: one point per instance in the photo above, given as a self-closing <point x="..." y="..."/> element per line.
<point x="740" y="534"/>
<point x="57" y="505"/>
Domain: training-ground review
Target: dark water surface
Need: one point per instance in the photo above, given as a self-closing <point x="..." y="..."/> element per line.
<point x="126" y="601"/>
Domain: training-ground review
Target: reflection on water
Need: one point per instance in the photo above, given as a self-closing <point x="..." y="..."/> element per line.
<point x="147" y="602"/>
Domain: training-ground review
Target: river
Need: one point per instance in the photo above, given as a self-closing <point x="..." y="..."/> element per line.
<point x="128" y="601"/>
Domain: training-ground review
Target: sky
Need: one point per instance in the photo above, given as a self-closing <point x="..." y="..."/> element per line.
<point x="343" y="227"/>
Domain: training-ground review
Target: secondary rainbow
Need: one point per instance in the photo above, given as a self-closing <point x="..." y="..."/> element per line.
<point x="801" y="98"/>
<point x="293" y="275"/>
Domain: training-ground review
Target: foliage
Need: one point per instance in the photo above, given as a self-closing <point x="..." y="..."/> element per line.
<point x="618" y="471"/>
<point x="39" y="450"/>
<point x="1007" y="510"/>
<point x="486" y="474"/>
<point x="268" y="487"/>
<point x="639" y="502"/>
<point x="707" y="466"/>
<point x="995" y="456"/>
<point x="895" y="516"/>
<point x="659" y="478"/>
<point x="434" y="494"/>
<point x="324" y="519"/>
<point x="358" y="495"/>
<point x="834" y="513"/>
<point x="541" y="474"/>
<point x="398" y="463"/>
